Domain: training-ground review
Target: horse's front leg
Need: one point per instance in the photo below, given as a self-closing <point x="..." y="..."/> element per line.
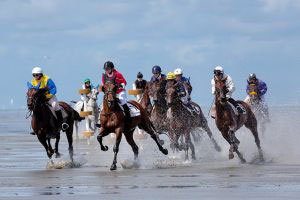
<point x="189" y="144"/>
<point x="69" y="134"/>
<point x="100" y="138"/>
<point x="42" y="139"/>
<point x="118" y="132"/>
<point x="50" y="146"/>
<point x="233" y="146"/>
<point x="57" y="154"/>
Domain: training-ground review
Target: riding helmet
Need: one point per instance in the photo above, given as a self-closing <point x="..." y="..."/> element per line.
<point x="108" y="65"/>
<point x="156" y="69"/>
<point x="139" y="75"/>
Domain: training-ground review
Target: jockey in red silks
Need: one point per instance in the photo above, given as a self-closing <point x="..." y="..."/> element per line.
<point x="112" y="75"/>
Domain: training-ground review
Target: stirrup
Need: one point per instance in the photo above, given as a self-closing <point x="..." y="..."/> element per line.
<point x="64" y="126"/>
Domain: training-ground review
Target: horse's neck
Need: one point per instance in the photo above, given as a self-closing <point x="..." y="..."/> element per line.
<point x="107" y="109"/>
<point x="221" y="109"/>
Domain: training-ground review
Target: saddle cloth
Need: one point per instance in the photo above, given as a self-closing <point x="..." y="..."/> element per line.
<point x="64" y="113"/>
<point x="134" y="112"/>
<point x="235" y="110"/>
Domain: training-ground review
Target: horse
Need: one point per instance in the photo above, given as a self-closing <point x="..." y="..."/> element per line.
<point x="90" y="105"/>
<point x="228" y="122"/>
<point x="43" y="122"/>
<point x="259" y="107"/>
<point x="145" y="100"/>
<point x="179" y="121"/>
<point x="158" y="115"/>
<point x="199" y="122"/>
<point x="112" y="119"/>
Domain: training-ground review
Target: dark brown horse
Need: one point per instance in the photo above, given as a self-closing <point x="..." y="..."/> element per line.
<point x="228" y="122"/>
<point x="112" y="120"/>
<point x="45" y="125"/>
<point x="179" y="121"/>
<point x="145" y="100"/>
<point x="157" y="90"/>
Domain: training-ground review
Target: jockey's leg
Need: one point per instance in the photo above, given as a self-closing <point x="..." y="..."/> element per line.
<point x="123" y="101"/>
<point x="236" y="105"/>
<point x="58" y="111"/>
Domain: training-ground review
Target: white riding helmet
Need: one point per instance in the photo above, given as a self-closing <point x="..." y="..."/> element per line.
<point x="37" y="70"/>
<point x="219" y="68"/>
<point x="178" y="71"/>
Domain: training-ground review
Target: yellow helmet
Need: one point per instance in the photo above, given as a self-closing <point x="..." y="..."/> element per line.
<point x="170" y="76"/>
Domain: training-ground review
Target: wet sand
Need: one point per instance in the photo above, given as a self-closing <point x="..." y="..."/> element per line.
<point x="24" y="173"/>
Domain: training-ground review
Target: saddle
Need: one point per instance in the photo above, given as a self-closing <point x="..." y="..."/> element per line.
<point x="235" y="110"/>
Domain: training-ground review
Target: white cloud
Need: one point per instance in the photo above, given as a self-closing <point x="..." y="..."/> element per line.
<point x="280" y="5"/>
<point x="129" y="45"/>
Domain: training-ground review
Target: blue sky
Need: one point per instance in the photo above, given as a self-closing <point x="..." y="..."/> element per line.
<point x="71" y="39"/>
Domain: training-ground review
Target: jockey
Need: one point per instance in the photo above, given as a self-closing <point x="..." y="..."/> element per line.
<point x="180" y="89"/>
<point x="230" y="88"/>
<point x="262" y="86"/>
<point x="46" y="82"/>
<point x="111" y="74"/>
<point x="139" y="83"/>
<point x="87" y="85"/>
<point x="180" y="78"/>
<point x="262" y="90"/>
<point x="157" y="75"/>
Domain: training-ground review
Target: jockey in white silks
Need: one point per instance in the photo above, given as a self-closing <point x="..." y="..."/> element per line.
<point x="230" y="87"/>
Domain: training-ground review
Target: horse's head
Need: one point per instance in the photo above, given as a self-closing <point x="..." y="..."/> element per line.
<point x="172" y="96"/>
<point x="157" y="90"/>
<point x="220" y="89"/>
<point x="94" y="94"/>
<point x="35" y="96"/>
<point x="110" y="91"/>
<point x="253" y="91"/>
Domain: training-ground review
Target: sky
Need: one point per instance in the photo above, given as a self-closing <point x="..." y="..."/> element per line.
<point x="71" y="39"/>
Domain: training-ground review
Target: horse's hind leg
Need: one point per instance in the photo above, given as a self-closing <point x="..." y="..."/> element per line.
<point x="50" y="146"/>
<point x="153" y="135"/>
<point x="212" y="139"/>
<point x="57" y="154"/>
<point x="69" y="134"/>
<point x="253" y="128"/>
<point x="116" y="148"/>
<point x="131" y="142"/>
<point x="189" y="144"/>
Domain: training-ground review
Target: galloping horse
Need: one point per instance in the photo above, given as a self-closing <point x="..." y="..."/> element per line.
<point x="43" y="122"/>
<point x="112" y="120"/>
<point x="258" y="107"/>
<point x="157" y="90"/>
<point x="179" y="121"/>
<point x="228" y="122"/>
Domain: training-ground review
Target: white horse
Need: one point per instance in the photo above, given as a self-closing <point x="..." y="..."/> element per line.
<point x="90" y="104"/>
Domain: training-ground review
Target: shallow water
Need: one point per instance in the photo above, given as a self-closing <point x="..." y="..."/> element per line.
<point x="25" y="172"/>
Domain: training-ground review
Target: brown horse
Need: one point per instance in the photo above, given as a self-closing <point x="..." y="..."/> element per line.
<point x="179" y="121"/>
<point x="157" y="90"/>
<point x="145" y="100"/>
<point x="44" y="124"/>
<point x="228" y="122"/>
<point x="112" y="120"/>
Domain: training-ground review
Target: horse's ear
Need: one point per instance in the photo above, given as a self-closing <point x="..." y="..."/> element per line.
<point x="29" y="85"/>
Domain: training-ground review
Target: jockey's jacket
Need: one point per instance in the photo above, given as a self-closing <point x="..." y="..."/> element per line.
<point x="45" y="81"/>
<point x="262" y="87"/>
<point x="229" y="85"/>
<point x="117" y="78"/>
<point x="186" y="80"/>
<point x="161" y="77"/>
<point x="140" y="84"/>
<point x="180" y="89"/>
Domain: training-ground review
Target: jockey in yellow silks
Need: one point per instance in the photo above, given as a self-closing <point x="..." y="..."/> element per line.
<point x="39" y="78"/>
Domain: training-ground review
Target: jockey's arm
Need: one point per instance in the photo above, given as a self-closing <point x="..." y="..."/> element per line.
<point x="51" y="87"/>
<point x="263" y="88"/>
<point x="213" y="88"/>
<point x="230" y="86"/>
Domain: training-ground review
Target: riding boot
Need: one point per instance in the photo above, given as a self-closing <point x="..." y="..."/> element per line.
<point x="236" y="105"/>
<point x="127" y="114"/>
<point x="32" y="133"/>
<point x="61" y="121"/>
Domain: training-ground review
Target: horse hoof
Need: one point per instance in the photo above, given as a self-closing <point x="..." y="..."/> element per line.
<point x="104" y="148"/>
<point x="231" y="156"/>
<point x="113" y="167"/>
<point x="193" y="157"/>
<point x="243" y="161"/>
<point x="218" y="148"/>
<point x="161" y="142"/>
<point x="57" y="155"/>
<point x="165" y="151"/>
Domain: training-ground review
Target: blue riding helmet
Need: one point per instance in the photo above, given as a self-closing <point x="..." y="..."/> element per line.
<point x="156" y="69"/>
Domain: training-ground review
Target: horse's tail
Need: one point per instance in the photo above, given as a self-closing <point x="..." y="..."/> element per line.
<point x="73" y="113"/>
